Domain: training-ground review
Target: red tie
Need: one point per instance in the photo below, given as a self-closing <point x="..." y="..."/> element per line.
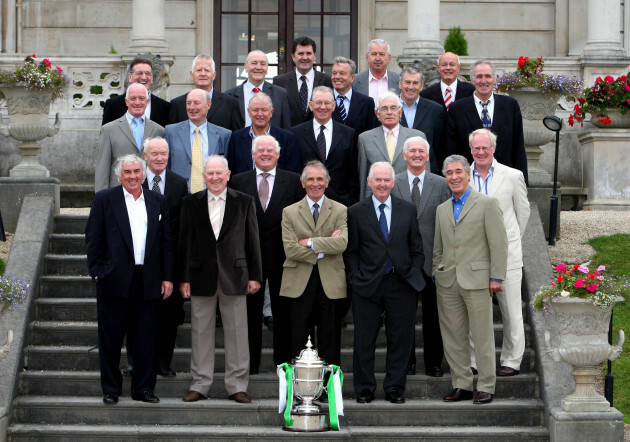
<point x="256" y="90"/>
<point x="448" y="98"/>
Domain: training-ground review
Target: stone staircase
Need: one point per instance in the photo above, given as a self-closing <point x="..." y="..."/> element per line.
<point x="60" y="397"/>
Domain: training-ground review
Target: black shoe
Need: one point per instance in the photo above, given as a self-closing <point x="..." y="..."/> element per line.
<point x="411" y="369"/>
<point x="268" y="321"/>
<point x="365" y="397"/>
<point x="110" y="399"/>
<point x="435" y="372"/>
<point x="253" y="371"/>
<point x="167" y="372"/>
<point x="127" y="371"/>
<point x="395" y="397"/>
<point x="146" y="396"/>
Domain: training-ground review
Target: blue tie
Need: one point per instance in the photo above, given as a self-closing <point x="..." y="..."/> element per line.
<point x="382" y="221"/>
<point x="485" y="118"/>
<point x="138" y="131"/>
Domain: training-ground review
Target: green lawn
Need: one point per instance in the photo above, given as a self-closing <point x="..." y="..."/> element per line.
<point x="614" y="252"/>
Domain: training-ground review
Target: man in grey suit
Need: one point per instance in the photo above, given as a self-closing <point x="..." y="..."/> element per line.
<point x="194" y="140"/>
<point x="427" y="191"/>
<point x="470" y="253"/>
<point x="124" y="136"/>
<point x="384" y="143"/>
<point x="256" y="67"/>
<point x="377" y="79"/>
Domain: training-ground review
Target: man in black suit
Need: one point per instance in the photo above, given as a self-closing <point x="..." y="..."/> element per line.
<point x="239" y="152"/>
<point x="219" y="262"/>
<point x="499" y="114"/>
<point x="256" y="67"/>
<point x="384" y="260"/>
<point x="273" y="189"/>
<point x="353" y="108"/>
<point x="449" y="89"/>
<point x="300" y="83"/>
<point x="128" y="240"/>
<point x="223" y="111"/>
<point x="422" y="114"/>
<point x="333" y="144"/>
<point x="140" y="71"/>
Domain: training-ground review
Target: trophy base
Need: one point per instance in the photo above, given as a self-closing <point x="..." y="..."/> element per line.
<point x="308" y="422"/>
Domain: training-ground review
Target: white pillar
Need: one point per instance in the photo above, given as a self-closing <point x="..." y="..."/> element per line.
<point x="147" y="34"/>
<point x="603" y="35"/>
<point x="423" y="28"/>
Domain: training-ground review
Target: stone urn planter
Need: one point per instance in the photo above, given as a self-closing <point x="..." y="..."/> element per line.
<point x="534" y="107"/>
<point x="618" y="120"/>
<point x="28" y="122"/>
<point x="584" y="345"/>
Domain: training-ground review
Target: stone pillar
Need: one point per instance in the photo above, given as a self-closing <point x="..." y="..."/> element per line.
<point x="147" y="34"/>
<point x="423" y="37"/>
<point x="603" y="36"/>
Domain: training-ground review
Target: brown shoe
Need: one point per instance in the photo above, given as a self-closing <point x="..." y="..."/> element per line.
<point x="193" y="396"/>
<point x="457" y="395"/>
<point x="507" y="371"/>
<point x="483" y="398"/>
<point x="241" y="397"/>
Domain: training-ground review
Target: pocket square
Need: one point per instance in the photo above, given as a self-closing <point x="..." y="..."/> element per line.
<point x="160" y="217"/>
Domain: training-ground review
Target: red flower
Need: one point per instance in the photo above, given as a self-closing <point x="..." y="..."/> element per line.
<point x="522" y="60"/>
<point x="622" y="78"/>
<point x="46" y="62"/>
<point x="578" y="283"/>
<point x="609" y="79"/>
<point x="576" y="108"/>
<point x="59" y="69"/>
<point x="560" y="278"/>
<point x="571" y="121"/>
<point x="598" y="79"/>
<point x="591" y="276"/>
<point x="576" y="266"/>
<point x="33" y="56"/>
<point x="592" y="287"/>
<point x="581" y="100"/>
<point x="606" y="120"/>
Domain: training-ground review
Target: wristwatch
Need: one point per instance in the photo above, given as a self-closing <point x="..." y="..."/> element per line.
<point x="309" y="243"/>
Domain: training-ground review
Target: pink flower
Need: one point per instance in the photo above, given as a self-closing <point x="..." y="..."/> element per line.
<point x="600" y="268"/>
<point x="560" y="267"/>
<point x="601" y="278"/>
<point x="578" y="283"/>
<point x="592" y="287"/>
<point x="583" y="269"/>
<point x="626" y="87"/>
<point x="59" y="69"/>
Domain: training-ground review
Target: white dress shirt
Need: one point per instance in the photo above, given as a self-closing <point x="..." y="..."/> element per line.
<point x="327" y="132"/>
<point x="248" y="93"/>
<point x="161" y="184"/>
<point x="387" y="210"/>
<point x="310" y="79"/>
<point x="479" y="106"/>
<point x="411" y="177"/>
<point x="346" y="101"/>
<point x="271" y="179"/>
<point x="220" y="201"/>
<point x="453" y="87"/>
<point x="137" y="213"/>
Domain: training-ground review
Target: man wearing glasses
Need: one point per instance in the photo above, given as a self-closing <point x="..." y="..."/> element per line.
<point x="449" y="88"/>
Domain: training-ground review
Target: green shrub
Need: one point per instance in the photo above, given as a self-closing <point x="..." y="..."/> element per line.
<point x="455" y="42"/>
<point x="1" y="266"/>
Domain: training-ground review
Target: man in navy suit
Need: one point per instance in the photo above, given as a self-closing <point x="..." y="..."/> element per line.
<point x="300" y="83"/>
<point x="449" y="89"/>
<point x="353" y="108"/>
<point x="239" y="152"/>
<point x="256" y="67"/>
<point x="224" y="110"/>
<point x="273" y="189"/>
<point x="499" y="114"/>
<point x="377" y="79"/>
<point x="333" y="144"/>
<point x="128" y="240"/>
<point x="422" y="114"/>
<point x="384" y="260"/>
<point x="181" y="139"/>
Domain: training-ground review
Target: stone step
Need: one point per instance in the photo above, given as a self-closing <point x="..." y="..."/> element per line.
<point x="67" y="286"/>
<point x="86" y="358"/>
<point x="68" y="332"/>
<point x="67" y="243"/>
<point x="65" y="264"/>
<point x="170" y="411"/>
<point x="70" y="223"/>
<point x="200" y="433"/>
<point x="263" y="385"/>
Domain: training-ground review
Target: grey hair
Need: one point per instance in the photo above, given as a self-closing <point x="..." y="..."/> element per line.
<point x="146" y="91"/>
<point x="413" y="140"/>
<point x="412" y="71"/>
<point x="477" y="63"/>
<point x="386" y="95"/>
<point x="455" y="159"/>
<point x="203" y="57"/>
<point x="317" y="164"/>
<point x="379" y="41"/>
<point x="325" y="89"/>
<point x="385" y="164"/>
<point x="260" y="95"/>
<point x="492" y="137"/>
<point x="215" y="157"/>
<point x="145" y="144"/>
<point x="130" y="159"/>
<point x="260" y="138"/>
<point x="344" y="60"/>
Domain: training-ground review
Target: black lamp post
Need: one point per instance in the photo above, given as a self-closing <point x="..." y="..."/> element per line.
<point x="554" y="124"/>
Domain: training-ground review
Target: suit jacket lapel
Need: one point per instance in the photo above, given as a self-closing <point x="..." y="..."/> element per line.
<point x="126" y="130"/>
<point x="239" y="94"/>
<point x="231" y="208"/>
<point x="122" y="217"/>
<point x="153" y="209"/>
<point x="372" y="218"/>
<point x="306" y="213"/>
<point x="216" y="104"/>
<point x="497" y="179"/>
<point x="381" y="144"/>
<point x="184" y="138"/>
<point x="472" y="114"/>
<point x="421" y="113"/>
<point x="427" y="188"/>
<point x="470" y="202"/>
<point x="402" y="136"/>
<point x="311" y="141"/>
<point x="279" y="187"/>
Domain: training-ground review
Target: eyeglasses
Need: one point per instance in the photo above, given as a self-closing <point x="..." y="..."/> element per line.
<point x="483" y="148"/>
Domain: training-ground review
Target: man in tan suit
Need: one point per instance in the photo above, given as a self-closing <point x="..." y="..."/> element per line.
<point x="508" y="186"/>
<point x="315" y="234"/>
<point x="469" y="265"/>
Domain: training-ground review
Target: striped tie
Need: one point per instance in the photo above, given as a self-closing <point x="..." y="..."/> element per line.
<point x="448" y="97"/>
<point x="342" y="108"/>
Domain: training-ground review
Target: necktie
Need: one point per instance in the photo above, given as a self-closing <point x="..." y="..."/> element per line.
<point x="315" y="212"/>
<point x="215" y="216"/>
<point x="256" y="90"/>
<point x="303" y="93"/>
<point x="138" y="131"/>
<point x="448" y="97"/>
<point x="485" y="117"/>
<point x="321" y="143"/>
<point x="196" y="176"/>
<point x="382" y="221"/>
<point x="342" y="108"/>
<point x="391" y="147"/>
<point x="156" y="184"/>
<point x="415" y="193"/>
<point x="263" y="190"/>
